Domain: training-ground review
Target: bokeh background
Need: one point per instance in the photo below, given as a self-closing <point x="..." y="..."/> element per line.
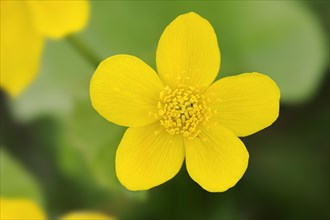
<point x="57" y="151"/>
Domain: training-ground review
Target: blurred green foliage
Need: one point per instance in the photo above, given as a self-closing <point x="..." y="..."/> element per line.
<point x="55" y="133"/>
<point x="18" y="182"/>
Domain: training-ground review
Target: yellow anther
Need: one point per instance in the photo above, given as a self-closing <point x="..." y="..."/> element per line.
<point x="187" y="103"/>
<point x="178" y="122"/>
<point x="183" y="119"/>
<point x="172" y="131"/>
<point x="182" y="110"/>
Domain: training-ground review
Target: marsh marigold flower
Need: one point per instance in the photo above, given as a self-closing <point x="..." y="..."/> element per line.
<point x="180" y="113"/>
<point x="24" y="26"/>
<point x="21" y="209"/>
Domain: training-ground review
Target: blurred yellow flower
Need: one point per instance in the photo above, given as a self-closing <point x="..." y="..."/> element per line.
<point x="24" y="26"/>
<point x="14" y="209"/>
<point x="21" y="209"/>
<point x="179" y="114"/>
<point x="86" y="215"/>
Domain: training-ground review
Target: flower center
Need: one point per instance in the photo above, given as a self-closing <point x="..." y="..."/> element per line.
<point x="182" y="110"/>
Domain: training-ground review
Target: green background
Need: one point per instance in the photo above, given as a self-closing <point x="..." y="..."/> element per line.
<point x="56" y="150"/>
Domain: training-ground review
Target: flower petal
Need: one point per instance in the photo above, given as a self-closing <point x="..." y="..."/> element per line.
<point x="21" y="47"/>
<point x="56" y="19"/>
<point x="217" y="159"/>
<point x="13" y="209"/>
<point x="188" y="52"/>
<point x="86" y="216"/>
<point x="245" y="103"/>
<point x="148" y="156"/>
<point x="125" y="91"/>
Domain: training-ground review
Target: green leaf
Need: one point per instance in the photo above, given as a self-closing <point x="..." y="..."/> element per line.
<point x="16" y="182"/>
<point x="91" y="139"/>
<point x="90" y="135"/>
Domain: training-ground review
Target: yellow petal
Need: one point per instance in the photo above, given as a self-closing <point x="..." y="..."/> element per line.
<point x="188" y="52"/>
<point x="125" y="91"/>
<point x="86" y="216"/>
<point x="56" y="19"/>
<point x="217" y="159"/>
<point x="245" y="103"/>
<point x="14" y="209"/>
<point x="148" y="156"/>
<point x="21" y="47"/>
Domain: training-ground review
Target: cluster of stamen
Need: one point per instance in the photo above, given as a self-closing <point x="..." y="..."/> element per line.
<point x="182" y="110"/>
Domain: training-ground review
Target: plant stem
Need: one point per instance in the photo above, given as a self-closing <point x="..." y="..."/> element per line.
<point x="81" y="47"/>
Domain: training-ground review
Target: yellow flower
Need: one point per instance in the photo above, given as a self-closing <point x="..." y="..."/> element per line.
<point x="21" y="209"/>
<point x="13" y="209"/>
<point x="179" y="114"/>
<point x="86" y="216"/>
<point x="24" y="26"/>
